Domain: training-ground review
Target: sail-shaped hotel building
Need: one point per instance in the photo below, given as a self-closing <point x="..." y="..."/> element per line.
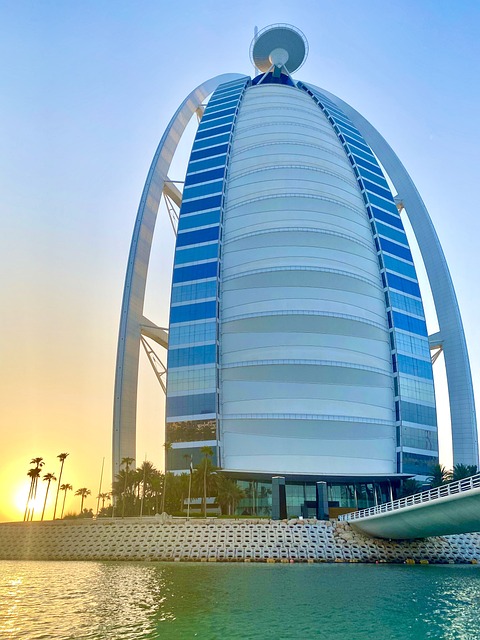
<point x="297" y="342"/>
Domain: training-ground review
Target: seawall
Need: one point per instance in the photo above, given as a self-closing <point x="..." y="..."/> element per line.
<point x="160" y="539"/>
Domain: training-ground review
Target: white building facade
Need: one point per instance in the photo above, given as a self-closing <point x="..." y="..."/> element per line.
<point x="300" y="299"/>
<point x="297" y="342"/>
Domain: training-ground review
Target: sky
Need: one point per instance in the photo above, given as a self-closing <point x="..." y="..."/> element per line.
<point x="86" y="91"/>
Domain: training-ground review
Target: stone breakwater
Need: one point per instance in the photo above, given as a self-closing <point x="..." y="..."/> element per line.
<point x="163" y="539"/>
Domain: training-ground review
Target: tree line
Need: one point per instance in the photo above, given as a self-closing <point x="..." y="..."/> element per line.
<point x="34" y="473"/>
<point x="144" y="490"/>
<point x="439" y="475"/>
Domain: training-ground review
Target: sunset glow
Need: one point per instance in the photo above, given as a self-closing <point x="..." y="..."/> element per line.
<point x="84" y="108"/>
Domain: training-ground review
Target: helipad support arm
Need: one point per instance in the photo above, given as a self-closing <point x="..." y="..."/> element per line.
<point x="462" y="403"/>
<point x="126" y="372"/>
<point x="435" y="341"/>
<point x="157" y="334"/>
<point x="171" y="190"/>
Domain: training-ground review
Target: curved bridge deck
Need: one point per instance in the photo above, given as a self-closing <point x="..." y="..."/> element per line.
<point x="450" y="509"/>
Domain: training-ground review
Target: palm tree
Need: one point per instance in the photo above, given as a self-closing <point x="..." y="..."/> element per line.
<point x="38" y="462"/>
<point x="83" y="492"/>
<point x="167" y="446"/>
<point x="33" y="474"/>
<point x="409" y="488"/>
<point x="61" y="457"/>
<point x="207" y="454"/>
<point x="127" y="462"/>
<point x="65" y="488"/>
<point x="461" y="471"/>
<point x="229" y="494"/>
<point x="48" y="477"/>
<point x="439" y="476"/>
<point x="156" y="485"/>
<point x="144" y="473"/>
<point x="103" y="497"/>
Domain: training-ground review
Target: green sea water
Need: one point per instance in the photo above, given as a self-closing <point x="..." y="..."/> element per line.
<point x="135" y="601"/>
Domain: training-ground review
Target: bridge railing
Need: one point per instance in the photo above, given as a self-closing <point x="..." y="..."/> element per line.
<point x="426" y="496"/>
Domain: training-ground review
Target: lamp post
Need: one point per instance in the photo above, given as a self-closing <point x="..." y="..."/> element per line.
<point x="190" y="487"/>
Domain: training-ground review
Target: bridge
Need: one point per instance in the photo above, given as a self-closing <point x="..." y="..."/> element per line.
<point x="449" y="509"/>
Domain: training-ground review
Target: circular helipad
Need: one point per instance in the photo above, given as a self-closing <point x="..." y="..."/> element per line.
<point x="281" y="45"/>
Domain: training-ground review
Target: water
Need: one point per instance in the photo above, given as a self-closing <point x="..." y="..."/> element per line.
<point x="134" y="601"/>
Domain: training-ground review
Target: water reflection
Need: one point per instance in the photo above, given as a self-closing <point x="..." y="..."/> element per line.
<point x="81" y="600"/>
<point x="109" y="601"/>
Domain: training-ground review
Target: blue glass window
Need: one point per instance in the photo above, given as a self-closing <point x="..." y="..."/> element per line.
<point x="357" y="144"/>
<point x="209" y="142"/>
<point x="371" y="186"/>
<point x="212" y="114"/>
<point x="201" y="204"/>
<point x="202" y="190"/>
<point x="392" y="264"/>
<point x="414" y="367"/>
<point x="349" y="131"/>
<point x="212" y="131"/>
<point x="396" y="249"/>
<point x="419" y="413"/>
<point x="238" y="83"/>
<point x="194" y="291"/>
<point x="333" y="109"/>
<point x="341" y="120"/>
<point x="224" y="92"/>
<point x="192" y="356"/>
<point x="222" y="97"/>
<point x="215" y="106"/>
<point x="187" y="380"/>
<point x="191" y="405"/>
<point x="189" y="333"/>
<point x="196" y="237"/>
<point x="373" y="177"/>
<point x="388" y="205"/>
<point x="195" y="272"/>
<point x="419" y="438"/>
<point x="205" y="153"/>
<point x="198" y="220"/>
<point x="406" y="304"/>
<point x="204" y="176"/>
<point x="197" y="253"/>
<point x="217" y="121"/>
<point x="407" y="323"/>
<point x="191" y="312"/>
<point x="399" y="236"/>
<point x="417" y="390"/>
<point x="386" y="217"/>
<point x="221" y="103"/>
<point x="206" y="163"/>
<point x="344" y="126"/>
<point x="418" y="464"/>
<point x="177" y="460"/>
<point x="356" y="153"/>
<point x="412" y="345"/>
<point x="371" y="167"/>
<point x="407" y="286"/>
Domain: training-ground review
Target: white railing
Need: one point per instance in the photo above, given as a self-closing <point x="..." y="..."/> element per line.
<point x="445" y="490"/>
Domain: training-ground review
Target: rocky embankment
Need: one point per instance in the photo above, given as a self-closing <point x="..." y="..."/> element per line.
<point x="164" y="539"/>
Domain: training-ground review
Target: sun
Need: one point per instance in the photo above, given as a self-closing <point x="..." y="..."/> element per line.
<point x="19" y="501"/>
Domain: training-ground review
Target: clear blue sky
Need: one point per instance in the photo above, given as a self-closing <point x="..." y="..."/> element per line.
<point x="87" y="88"/>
